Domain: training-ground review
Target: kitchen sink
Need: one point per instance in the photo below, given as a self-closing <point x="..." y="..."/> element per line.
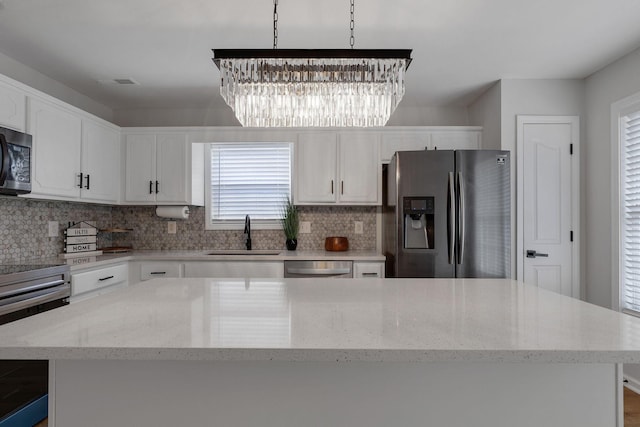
<point x="245" y="252"/>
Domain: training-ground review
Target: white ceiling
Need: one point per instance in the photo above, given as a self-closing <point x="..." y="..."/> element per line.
<point x="460" y="47"/>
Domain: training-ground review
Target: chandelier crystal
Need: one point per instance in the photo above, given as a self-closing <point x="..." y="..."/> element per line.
<point x="312" y="88"/>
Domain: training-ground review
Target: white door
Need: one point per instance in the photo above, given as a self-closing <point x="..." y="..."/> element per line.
<point x="57" y="137"/>
<point x="548" y="203"/>
<point x="100" y="162"/>
<point x="172" y="168"/>
<point x="360" y="172"/>
<point x="140" y="173"/>
<point x="316" y="155"/>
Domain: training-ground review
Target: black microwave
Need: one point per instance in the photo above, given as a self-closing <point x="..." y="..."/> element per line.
<point x="15" y="162"/>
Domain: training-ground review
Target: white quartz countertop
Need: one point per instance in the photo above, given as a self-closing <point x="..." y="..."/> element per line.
<point x="235" y="255"/>
<point x="328" y="320"/>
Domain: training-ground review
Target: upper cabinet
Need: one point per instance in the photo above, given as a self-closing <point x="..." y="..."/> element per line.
<point x="429" y="138"/>
<point x="337" y="167"/>
<point x="75" y="157"/>
<point x="57" y="140"/>
<point x="100" y="162"/>
<point x="163" y="168"/>
<point x="12" y="107"/>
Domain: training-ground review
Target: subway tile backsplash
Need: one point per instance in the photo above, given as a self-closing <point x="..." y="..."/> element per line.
<point x="24" y="226"/>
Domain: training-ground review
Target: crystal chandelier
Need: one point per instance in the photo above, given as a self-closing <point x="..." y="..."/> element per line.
<point x="312" y="87"/>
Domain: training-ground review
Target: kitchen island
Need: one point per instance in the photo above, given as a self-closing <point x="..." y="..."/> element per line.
<point x="341" y="352"/>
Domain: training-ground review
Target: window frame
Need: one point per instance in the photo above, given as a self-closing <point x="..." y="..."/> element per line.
<point x="238" y="224"/>
<point x="619" y="110"/>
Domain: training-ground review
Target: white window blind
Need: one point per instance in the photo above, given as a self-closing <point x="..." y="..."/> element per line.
<point x="249" y="179"/>
<point x="630" y="221"/>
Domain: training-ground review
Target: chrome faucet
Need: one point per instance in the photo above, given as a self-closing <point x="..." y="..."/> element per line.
<point x="247" y="231"/>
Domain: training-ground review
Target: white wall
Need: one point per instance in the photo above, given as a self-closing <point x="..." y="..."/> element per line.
<point x="30" y="77"/>
<point x="485" y="111"/>
<point x="614" y="82"/>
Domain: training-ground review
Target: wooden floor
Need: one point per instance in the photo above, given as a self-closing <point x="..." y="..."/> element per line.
<point x="631" y="410"/>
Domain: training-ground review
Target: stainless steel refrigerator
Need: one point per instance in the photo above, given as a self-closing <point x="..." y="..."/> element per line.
<point x="447" y="214"/>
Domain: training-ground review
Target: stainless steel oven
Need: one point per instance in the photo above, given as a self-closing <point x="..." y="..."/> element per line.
<point x="15" y="162"/>
<point x="26" y="290"/>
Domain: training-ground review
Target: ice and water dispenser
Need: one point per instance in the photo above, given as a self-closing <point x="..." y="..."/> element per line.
<point x="418" y="222"/>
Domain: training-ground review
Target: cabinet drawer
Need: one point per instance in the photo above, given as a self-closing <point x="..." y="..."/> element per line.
<point x="97" y="279"/>
<point x="368" y="270"/>
<point x="154" y="270"/>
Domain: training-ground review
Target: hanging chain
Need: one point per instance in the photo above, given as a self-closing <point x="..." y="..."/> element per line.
<point x="275" y="24"/>
<point x="352" y="40"/>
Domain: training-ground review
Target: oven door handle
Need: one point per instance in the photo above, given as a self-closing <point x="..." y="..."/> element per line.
<point x="52" y="294"/>
<point x="6" y="164"/>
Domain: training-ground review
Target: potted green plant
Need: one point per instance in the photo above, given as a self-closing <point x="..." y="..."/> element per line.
<point x="290" y="224"/>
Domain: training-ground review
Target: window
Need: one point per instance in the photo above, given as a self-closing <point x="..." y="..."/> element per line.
<point x="248" y="179"/>
<point x="630" y="211"/>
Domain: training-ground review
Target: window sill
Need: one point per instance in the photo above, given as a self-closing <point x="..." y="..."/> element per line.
<point x="239" y="225"/>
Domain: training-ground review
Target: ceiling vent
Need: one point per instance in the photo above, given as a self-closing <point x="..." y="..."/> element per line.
<point x="118" y="82"/>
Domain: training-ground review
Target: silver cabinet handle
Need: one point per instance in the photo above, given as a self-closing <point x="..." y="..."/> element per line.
<point x="534" y="254"/>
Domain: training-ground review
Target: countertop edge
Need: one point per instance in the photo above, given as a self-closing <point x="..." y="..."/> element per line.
<point x="321" y="355"/>
<point x="201" y="255"/>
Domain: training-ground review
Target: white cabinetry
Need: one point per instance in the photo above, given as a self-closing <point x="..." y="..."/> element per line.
<point x="156" y="270"/>
<point x="74" y="158"/>
<point x="455" y="140"/>
<point x="337" y="168"/>
<point x="95" y="281"/>
<point x="159" y="169"/>
<point x="100" y="162"/>
<point x="57" y="140"/>
<point x="363" y="269"/>
<point x="12" y="107"/>
<point x="429" y="138"/>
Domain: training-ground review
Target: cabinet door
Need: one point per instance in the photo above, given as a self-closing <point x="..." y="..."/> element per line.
<point x="140" y="175"/>
<point x="316" y="168"/>
<point x="172" y="168"/>
<point x="403" y="141"/>
<point x="371" y="270"/>
<point x="100" y="162"/>
<point x="360" y="171"/>
<point x="456" y="140"/>
<point x="57" y="136"/>
<point x="12" y="107"/>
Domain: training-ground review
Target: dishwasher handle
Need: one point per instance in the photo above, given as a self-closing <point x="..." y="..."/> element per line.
<point x="318" y="271"/>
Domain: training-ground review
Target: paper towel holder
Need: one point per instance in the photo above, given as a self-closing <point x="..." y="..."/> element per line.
<point x="172" y="212"/>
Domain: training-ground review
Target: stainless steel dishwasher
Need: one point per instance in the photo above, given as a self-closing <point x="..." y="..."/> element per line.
<point x="318" y="269"/>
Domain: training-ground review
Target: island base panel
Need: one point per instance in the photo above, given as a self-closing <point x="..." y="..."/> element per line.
<point x="373" y="394"/>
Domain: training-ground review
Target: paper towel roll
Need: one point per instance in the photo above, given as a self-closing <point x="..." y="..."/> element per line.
<point x="174" y="212"/>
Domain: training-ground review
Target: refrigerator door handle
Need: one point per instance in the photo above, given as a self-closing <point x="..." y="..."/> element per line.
<point x="451" y="223"/>
<point x="461" y="217"/>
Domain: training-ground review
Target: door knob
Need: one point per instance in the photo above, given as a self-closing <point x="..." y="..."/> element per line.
<point x="534" y="254"/>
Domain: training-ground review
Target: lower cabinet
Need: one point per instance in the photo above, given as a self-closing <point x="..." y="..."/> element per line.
<point x="363" y="270"/>
<point x="250" y="269"/>
<point x="96" y="281"/>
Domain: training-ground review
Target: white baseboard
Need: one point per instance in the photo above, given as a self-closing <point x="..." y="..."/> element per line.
<point x="632" y="384"/>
